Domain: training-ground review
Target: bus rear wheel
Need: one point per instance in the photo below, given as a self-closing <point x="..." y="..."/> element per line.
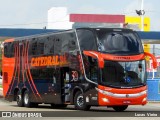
<point x="79" y="102"/>
<point x="19" y="99"/>
<point x="120" y="108"/>
<point x="26" y="99"/>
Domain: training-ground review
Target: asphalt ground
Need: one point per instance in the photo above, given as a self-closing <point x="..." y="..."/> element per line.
<point x="150" y="111"/>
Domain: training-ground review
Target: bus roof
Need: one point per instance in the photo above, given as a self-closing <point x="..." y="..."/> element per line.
<point x="61" y="31"/>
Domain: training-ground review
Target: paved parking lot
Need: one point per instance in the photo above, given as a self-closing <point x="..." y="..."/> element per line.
<point x="151" y="108"/>
<point x="100" y="113"/>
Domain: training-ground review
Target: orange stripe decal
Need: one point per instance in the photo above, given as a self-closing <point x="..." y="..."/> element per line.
<point x="26" y="68"/>
<point x="101" y="57"/>
<point x="14" y="75"/>
<point x="31" y="76"/>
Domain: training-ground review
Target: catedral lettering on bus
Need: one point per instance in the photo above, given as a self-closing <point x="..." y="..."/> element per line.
<point x="48" y="61"/>
<point x="83" y="67"/>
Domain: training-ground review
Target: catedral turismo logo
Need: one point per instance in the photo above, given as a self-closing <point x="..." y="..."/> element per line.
<point x="48" y="61"/>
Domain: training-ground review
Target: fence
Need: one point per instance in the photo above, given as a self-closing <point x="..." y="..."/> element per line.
<point x="153" y="89"/>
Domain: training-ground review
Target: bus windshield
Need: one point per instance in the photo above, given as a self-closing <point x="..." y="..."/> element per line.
<point x="124" y="74"/>
<point x="117" y="42"/>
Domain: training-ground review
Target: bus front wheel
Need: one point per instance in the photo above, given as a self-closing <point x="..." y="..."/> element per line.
<point x="79" y="102"/>
<point x="120" y="108"/>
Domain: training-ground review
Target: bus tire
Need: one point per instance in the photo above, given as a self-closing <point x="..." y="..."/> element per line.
<point x="79" y="102"/>
<point x="26" y="99"/>
<point x="120" y="108"/>
<point x="19" y="99"/>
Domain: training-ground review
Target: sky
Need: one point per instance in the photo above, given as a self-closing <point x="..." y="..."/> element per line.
<point x="33" y="13"/>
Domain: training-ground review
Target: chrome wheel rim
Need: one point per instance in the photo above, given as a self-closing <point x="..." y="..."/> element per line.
<point x="80" y="100"/>
<point x="18" y="98"/>
<point x="26" y="99"/>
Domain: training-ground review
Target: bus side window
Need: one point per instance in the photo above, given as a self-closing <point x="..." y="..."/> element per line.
<point x="49" y="46"/>
<point x="6" y="50"/>
<point x="40" y="49"/>
<point x="87" y="40"/>
<point x="12" y="50"/>
<point x="91" y="68"/>
<point x="94" y="73"/>
<point x="72" y="42"/>
<point x="37" y="46"/>
<point x="34" y="46"/>
<point x="57" y="45"/>
<point x="65" y="40"/>
<point x="69" y="43"/>
<point x="9" y="50"/>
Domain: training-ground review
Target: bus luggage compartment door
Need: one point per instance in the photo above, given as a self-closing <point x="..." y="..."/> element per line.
<point x="67" y="92"/>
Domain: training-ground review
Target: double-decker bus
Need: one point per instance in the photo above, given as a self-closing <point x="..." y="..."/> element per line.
<point x="83" y="67"/>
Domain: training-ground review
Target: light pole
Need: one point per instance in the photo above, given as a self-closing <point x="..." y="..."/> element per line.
<point x="141" y="14"/>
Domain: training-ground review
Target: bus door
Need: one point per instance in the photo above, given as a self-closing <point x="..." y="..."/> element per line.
<point x="65" y="84"/>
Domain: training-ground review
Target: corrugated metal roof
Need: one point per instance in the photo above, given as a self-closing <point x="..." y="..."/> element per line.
<point x="149" y="35"/>
<point x="7" y="32"/>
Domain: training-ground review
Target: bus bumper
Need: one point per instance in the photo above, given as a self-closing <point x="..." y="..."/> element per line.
<point x="113" y="96"/>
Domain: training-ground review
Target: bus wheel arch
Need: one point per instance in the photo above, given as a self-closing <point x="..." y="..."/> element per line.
<point x="79" y="101"/>
<point x="16" y="90"/>
<point x="120" y="108"/>
<point x="75" y="90"/>
<point x="23" y="90"/>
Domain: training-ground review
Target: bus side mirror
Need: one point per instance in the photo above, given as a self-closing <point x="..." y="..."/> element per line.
<point x="97" y="55"/>
<point x="153" y="59"/>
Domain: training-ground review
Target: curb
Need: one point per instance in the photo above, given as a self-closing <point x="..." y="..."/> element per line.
<point x="153" y="101"/>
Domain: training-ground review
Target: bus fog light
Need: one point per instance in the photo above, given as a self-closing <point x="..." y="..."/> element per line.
<point x="105" y="100"/>
<point x="144" y="99"/>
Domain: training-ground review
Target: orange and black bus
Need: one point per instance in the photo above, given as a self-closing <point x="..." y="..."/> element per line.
<point x="84" y="67"/>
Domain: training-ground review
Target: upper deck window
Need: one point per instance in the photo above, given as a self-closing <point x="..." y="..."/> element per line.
<point x="119" y="42"/>
<point x="9" y="49"/>
<point x="87" y="39"/>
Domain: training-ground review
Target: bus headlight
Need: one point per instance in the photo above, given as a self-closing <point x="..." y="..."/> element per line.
<point x="105" y="100"/>
<point x="104" y="92"/>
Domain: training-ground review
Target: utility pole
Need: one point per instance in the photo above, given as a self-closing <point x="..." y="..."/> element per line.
<point x="142" y="15"/>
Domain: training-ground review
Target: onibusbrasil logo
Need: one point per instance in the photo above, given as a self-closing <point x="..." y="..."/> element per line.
<point x="20" y="114"/>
